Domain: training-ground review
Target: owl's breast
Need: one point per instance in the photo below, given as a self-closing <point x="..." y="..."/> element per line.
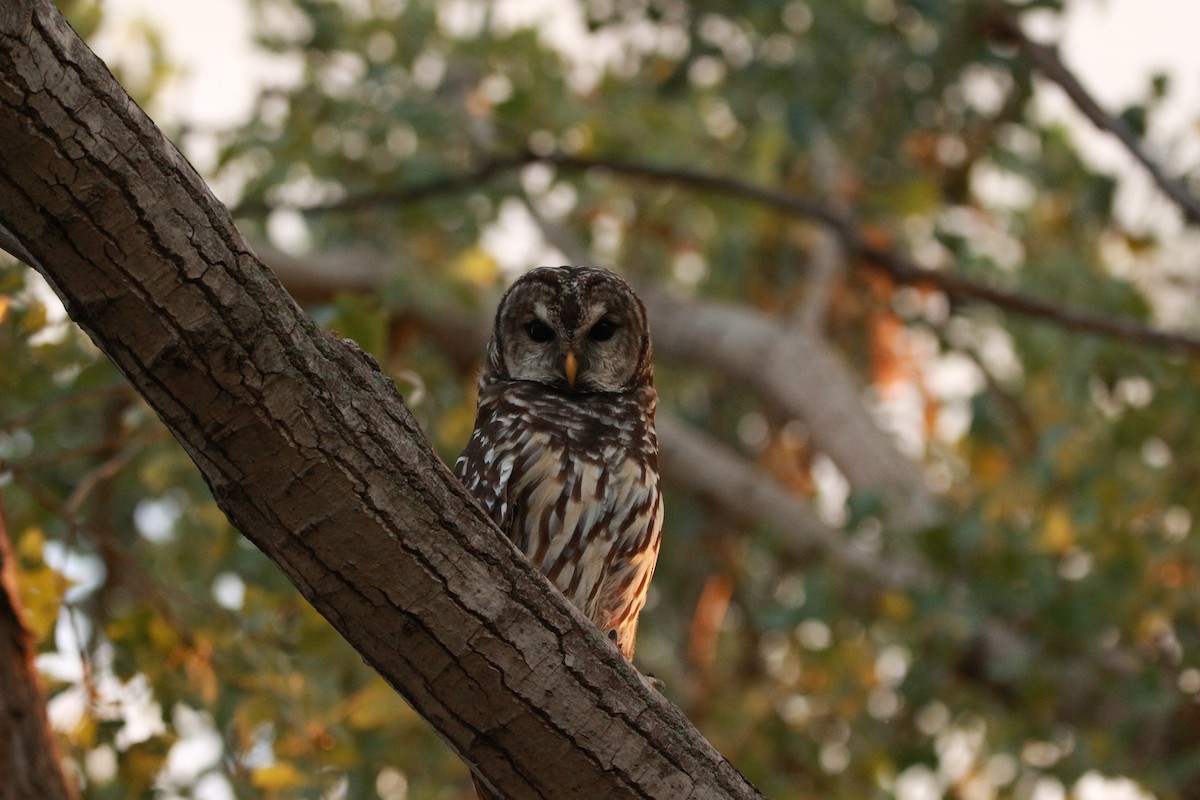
<point x="580" y="484"/>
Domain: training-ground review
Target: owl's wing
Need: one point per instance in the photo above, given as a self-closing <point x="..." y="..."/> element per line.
<point x="485" y="472"/>
<point x="629" y="568"/>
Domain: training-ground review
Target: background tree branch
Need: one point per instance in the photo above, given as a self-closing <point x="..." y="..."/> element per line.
<point x="1048" y="62"/>
<point x="796" y="374"/>
<point x="801" y="378"/>
<point x="889" y="261"/>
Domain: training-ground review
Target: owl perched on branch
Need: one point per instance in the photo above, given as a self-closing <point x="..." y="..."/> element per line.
<point x="564" y="455"/>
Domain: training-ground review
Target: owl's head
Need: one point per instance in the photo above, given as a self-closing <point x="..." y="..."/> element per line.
<point x="577" y="329"/>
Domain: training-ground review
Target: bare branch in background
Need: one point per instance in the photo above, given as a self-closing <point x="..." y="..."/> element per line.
<point x="320" y="276"/>
<point x="892" y="262"/>
<point x="827" y="257"/>
<point x="429" y="190"/>
<point x="1051" y="66"/>
<point x="898" y="266"/>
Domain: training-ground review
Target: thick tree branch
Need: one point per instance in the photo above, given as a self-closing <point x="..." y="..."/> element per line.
<point x="754" y="497"/>
<point x="1050" y="64"/>
<point x="311" y="453"/>
<point x="801" y="377"/>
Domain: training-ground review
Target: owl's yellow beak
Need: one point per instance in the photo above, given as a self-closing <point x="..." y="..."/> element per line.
<point x="570" y="367"/>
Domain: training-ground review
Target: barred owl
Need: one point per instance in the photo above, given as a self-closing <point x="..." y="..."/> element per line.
<point x="564" y="455"/>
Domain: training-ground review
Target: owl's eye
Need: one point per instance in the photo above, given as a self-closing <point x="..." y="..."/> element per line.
<point x="539" y="331"/>
<point x="602" y="331"/>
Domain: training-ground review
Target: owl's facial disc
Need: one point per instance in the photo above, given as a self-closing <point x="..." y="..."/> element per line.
<point x="568" y="356"/>
<point x="573" y="348"/>
<point x="577" y="330"/>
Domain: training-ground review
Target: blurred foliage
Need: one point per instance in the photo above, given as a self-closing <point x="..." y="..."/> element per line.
<point x="1058" y="633"/>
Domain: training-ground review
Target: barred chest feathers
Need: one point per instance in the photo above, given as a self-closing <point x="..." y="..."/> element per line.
<point x="574" y="484"/>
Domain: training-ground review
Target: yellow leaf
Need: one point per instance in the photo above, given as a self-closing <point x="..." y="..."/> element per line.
<point x="475" y="266"/>
<point x="41" y="587"/>
<point x="277" y="776"/>
<point x="896" y="605"/>
<point x="1153" y="628"/>
<point x="375" y="706"/>
<point x="990" y="465"/>
<point x="158" y="471"/>
<point x="41" y="593"/>
<point x="1058" y="533"/>
<point x="34" y="319"/>
<point x="163" y="635"/>
<point x="5" y="300"/>
<point x="84" y="732"/>
<point x="31" y="543"/>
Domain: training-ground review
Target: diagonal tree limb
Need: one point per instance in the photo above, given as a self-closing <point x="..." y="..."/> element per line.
<point x="310" y="451"/>
<point x="1051" y="66"/>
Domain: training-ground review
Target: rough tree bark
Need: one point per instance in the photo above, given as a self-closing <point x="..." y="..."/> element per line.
<point x="28" y="757"/>
<point x="310" y="451"/>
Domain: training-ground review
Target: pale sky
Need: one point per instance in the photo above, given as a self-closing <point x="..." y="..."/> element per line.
<point x="1114" y="45"/>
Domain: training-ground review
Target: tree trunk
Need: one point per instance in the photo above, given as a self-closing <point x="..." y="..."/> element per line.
<point x="311" y="452"/>
<point x="28" y="757"/>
